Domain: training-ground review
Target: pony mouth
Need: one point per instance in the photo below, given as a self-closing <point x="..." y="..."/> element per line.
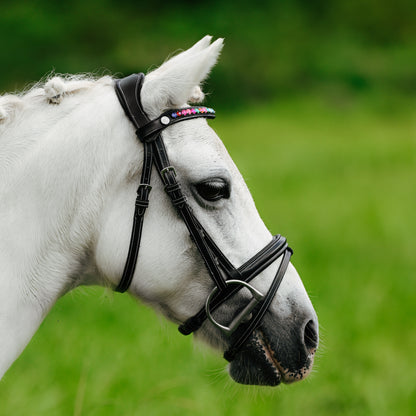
<point x="257" y="364"/>
<point x="268" y="353"/>
<point x="261" y="363"/>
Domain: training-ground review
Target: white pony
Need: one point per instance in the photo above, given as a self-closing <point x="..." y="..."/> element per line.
<point x="69" y="168"/>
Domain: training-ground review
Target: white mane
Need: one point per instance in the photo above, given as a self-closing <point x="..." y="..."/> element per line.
<point x="51" y="91"/>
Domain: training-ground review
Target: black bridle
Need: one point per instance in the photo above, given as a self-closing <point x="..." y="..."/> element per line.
<point x="227" y="278"/>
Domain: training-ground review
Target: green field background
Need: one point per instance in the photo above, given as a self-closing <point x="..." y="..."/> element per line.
<point x="316" y="103"/>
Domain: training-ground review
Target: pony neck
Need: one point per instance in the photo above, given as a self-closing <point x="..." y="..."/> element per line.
<point x="58" y="165"/>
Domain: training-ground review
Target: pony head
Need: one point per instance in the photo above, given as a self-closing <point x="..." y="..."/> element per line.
<point x="70" y="165"/>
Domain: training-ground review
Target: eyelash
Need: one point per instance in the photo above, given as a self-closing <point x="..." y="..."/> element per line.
<point x="213" y="189"/>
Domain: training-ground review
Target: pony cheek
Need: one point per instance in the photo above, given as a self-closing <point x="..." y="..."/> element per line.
<point x="109" y="264"/>
<point x="177" y="293"/>
<point x="110" y="254"/>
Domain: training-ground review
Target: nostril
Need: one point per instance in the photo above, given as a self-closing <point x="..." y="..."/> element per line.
<point x="310" y="336"/>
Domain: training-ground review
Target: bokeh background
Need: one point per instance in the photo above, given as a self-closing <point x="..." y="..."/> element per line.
<point x="316" y="103"/>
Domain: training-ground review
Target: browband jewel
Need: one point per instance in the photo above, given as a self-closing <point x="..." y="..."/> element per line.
<point x="191" y="111"/>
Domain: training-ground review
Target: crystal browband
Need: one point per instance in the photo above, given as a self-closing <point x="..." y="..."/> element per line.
<point x="192" y="110"/>
<point x="148" y="132"/>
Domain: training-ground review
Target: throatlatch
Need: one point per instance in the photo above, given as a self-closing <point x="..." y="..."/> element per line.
<point x="149" y="133"/>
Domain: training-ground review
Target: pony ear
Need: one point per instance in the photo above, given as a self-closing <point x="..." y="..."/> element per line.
<point x="177" y="81"/>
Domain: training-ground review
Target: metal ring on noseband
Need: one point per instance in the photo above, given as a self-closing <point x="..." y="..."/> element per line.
<point x="244" y="315"/>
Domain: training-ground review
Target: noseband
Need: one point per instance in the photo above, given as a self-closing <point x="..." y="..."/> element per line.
<point x="227" y="278"/>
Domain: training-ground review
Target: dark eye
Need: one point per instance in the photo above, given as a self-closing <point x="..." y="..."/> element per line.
<point x="213" y="189"/>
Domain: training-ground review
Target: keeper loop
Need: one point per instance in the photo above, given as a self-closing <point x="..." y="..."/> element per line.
<point x="143" y="203"/>
<point x="179" y="200"/>
<point x="172" y="188"/>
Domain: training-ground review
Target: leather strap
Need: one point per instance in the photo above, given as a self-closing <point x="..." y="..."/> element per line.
<point x="173" y="189"/>
<point x="141" y="204"/>
<point x="128" y="91"/>
<point x="150" y="130"/>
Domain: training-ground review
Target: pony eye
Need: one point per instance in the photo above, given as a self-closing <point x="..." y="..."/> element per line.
<point x="213" y="189"/>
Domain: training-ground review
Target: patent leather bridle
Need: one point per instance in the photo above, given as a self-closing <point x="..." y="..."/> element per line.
<point x="227" y="278"/>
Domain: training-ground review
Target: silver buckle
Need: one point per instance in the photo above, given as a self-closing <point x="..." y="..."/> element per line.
<point x="244" y="315"/>
<point x="168" y="169"/>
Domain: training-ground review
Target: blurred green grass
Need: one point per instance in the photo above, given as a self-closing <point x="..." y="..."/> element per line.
<point x="336" y="178"/>
<point x="276" y="47"/>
